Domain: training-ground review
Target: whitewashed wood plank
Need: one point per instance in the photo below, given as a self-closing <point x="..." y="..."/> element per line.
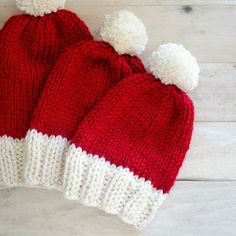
<point x="153" y="2"/>
<point x="215" y="96"/>
<point x="208" y="31"/>
<point x="139" y="2"/>
<point x="193" y="208"/>
<point x="212" y="155"/>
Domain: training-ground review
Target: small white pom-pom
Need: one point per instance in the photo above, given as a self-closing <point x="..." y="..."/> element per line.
<point x="125" y="32"/>
<point x="40" y="7"/>
<point x="173" y="64"/>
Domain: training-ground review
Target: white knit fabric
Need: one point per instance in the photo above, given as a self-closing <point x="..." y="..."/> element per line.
<point x="44" y="161"/>
<point x="45" y="158"/>
<point x="36" y="161"/>
<point x="40" y="7"/>
<point x="95" y="182"/>
<point x="11" y="161"/>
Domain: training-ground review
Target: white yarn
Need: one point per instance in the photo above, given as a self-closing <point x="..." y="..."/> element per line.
<point x="44" y="159"/>
<point x="11" y="161"/>
<point x="173" y="64"/>
<point x="125" y="32"/>
<point x="95" y="182"/>
<point x="40" y="7"/>
<point x="49" y="162"/>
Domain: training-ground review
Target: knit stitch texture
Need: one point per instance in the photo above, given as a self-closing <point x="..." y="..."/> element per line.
<point x="129" y="148"/>
<point x="29" y="48"/>
<point x="143" y="125"/>
<point x="83" y="74"/>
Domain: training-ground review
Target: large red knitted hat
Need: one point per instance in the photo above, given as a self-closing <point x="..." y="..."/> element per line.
<point x="29" y="47"/>
<point x="83" y="74"/>
<point x="126" y="154"/>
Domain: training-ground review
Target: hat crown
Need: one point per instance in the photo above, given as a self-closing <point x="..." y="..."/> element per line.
<point x="45" y="38"/>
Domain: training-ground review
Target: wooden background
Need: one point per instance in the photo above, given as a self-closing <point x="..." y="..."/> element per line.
<point x="203" y="201"/>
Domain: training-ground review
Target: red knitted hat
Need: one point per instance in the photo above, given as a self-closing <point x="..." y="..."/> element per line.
<point x="29" y="47"/>
<point x="83" y="74"/>
<point x="126" y="154"/>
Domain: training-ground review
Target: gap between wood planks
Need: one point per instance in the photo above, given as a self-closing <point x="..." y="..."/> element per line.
<point x="153" y="2"/>
<point x="211" y="42"/>
<point x="140" y="2"/>
<point x="204" y="180"/>
<point x="212" y="121"/>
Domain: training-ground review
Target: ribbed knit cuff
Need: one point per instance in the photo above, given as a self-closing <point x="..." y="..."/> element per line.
<point x="45" y="158"/>
<point x="95" y="182"/>
<point x="11" y="161"/>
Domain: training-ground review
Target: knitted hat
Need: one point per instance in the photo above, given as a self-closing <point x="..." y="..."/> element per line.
<point x="29" y="47"/>
<point x="83" y="74"/>
<point x="126" y="154"/>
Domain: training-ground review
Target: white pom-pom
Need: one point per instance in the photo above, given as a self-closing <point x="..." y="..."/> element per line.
<point x="125" y="32"/>
<point x="40" y="7"/>
<point x="173" y="64"/>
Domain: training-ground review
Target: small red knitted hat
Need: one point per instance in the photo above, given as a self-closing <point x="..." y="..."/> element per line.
<point x="83" y="74"/>
<point x="126" y="154"/>
<point x="29" y="47"/>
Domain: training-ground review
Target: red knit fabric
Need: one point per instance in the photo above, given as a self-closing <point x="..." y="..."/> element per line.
<point x="84" y="73"/>
<point x="143" y="125"/>
<point x="29" y="47"/>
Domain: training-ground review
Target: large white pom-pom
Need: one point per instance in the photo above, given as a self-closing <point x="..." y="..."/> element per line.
<point x="40" y="7"/>
<point x="125" y="32"/>
<point x="173" y="64"/>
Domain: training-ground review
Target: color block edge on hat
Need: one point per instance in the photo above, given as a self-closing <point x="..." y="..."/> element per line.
<point x="35" y="161"/>
<point x="87" y="178"/>
<point x="95" y="182"/>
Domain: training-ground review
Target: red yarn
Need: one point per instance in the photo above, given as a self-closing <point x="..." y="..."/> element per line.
<point x="83" y="74"/>
<point x="29" y="48"/>
<point x="143" y="125"/>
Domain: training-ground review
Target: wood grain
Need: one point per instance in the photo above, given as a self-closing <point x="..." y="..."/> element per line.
<point x="207" y="28"/>
<point x="215" y="96"/>
<point x="140" y="2"/>
<point x="214" y="99"/>
<point x="193" y="208"/>
<point x="212" y="155"/>
<point x="154" y="2"/>
<point x="207" y="31"/>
